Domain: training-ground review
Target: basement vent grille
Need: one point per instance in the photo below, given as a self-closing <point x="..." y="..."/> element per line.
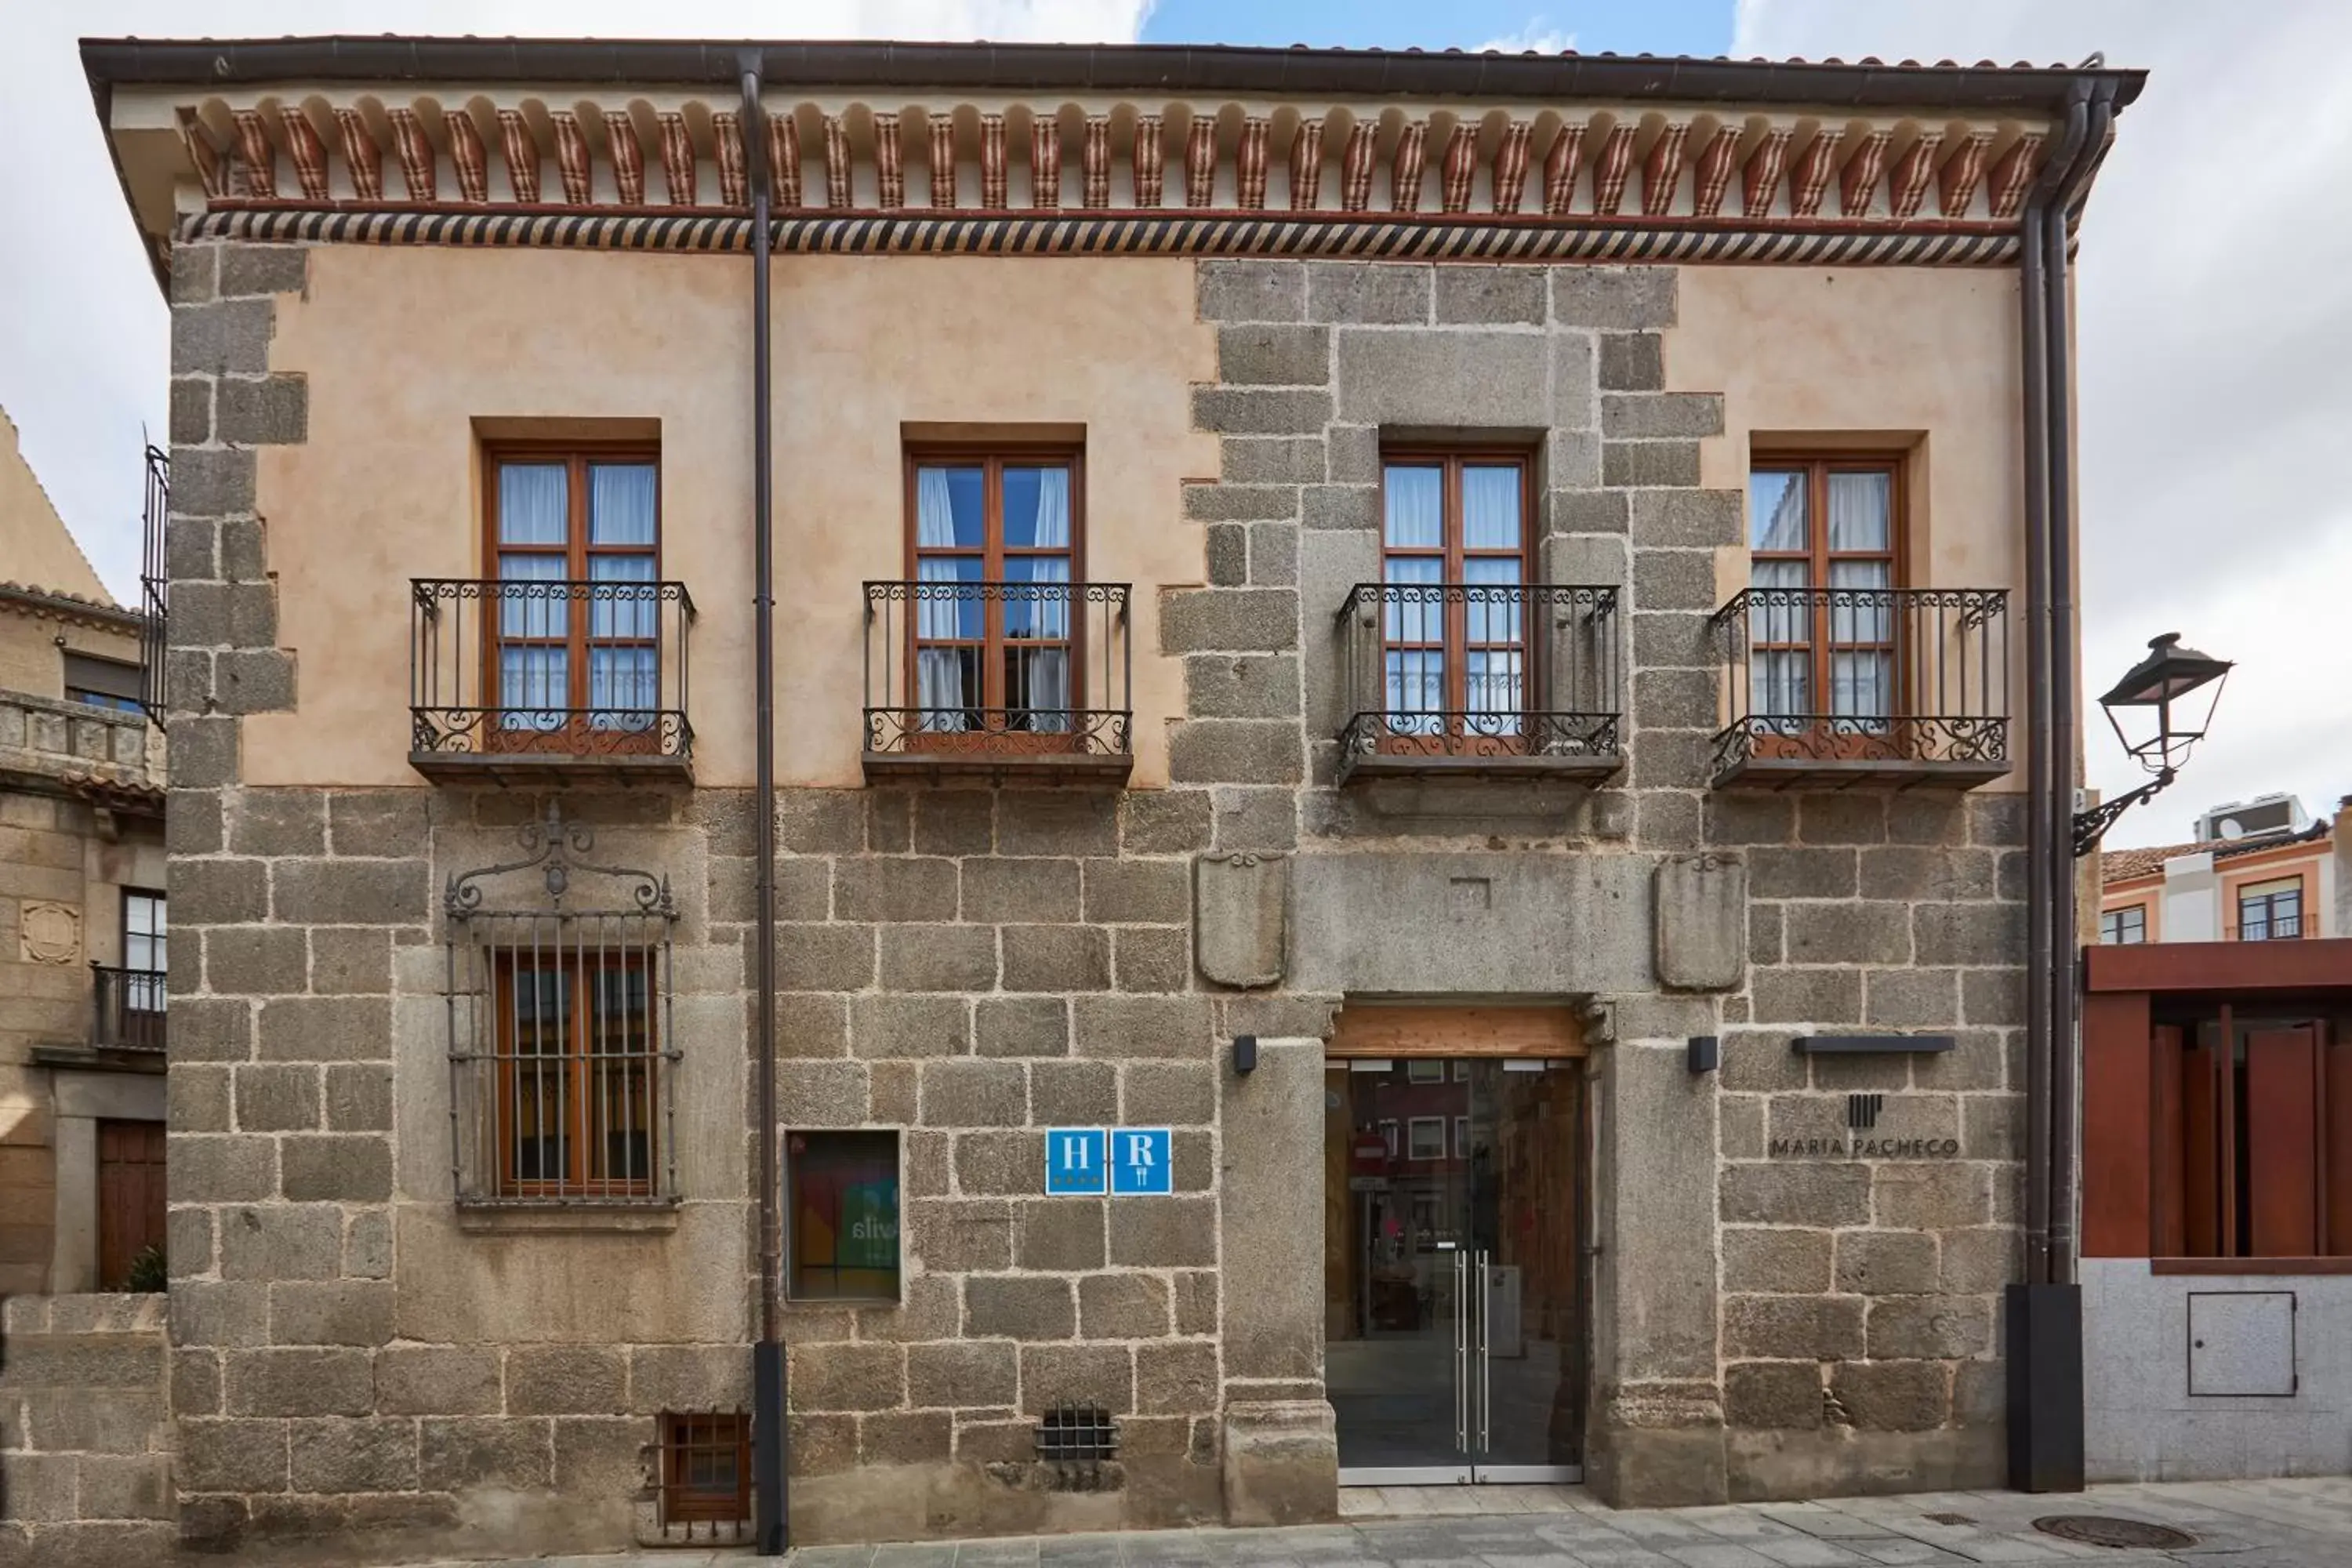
<point x="1078" y="1433"/>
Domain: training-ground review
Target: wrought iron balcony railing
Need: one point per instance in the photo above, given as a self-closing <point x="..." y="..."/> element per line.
<point x="1851" y="685"/>
<point x="2275" y="928"/>
<point x="998" y="677"/>
<point x="1485" y="678"/>
<point x="515" y="680"/>
<point x="130" y="1008"/>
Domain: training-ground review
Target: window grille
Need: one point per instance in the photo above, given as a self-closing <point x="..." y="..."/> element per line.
<point x="562" y="1043"/>
<point x="155" y="586"/>
<point x="705" y="1473"/>
<point x="1078" y="1433"/>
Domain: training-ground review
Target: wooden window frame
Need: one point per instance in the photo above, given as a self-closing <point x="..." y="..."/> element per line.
<point x="577" y="552"/>
<point x="2117" y="914"/>
<point x="993" y="458"/>
<point x="1455" y="648"/>
<point x="1818" y="558"/>
<point x="573" y="1068"/>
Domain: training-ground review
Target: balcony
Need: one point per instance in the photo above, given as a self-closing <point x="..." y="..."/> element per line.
<point x="1498" y="681"/>
<point x="1836" y="687"/>
<point x="545" y="682"/>
<point x="130" y="1011"/>
<point x="999" y="681"/>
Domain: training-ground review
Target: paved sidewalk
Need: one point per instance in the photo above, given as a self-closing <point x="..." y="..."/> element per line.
<point x="2238" y="1524"/>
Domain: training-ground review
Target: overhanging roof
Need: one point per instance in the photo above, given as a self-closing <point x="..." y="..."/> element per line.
<point x="1154" y="67"/>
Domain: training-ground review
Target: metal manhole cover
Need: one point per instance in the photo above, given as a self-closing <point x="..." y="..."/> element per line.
<point x="2094" y="1530"/>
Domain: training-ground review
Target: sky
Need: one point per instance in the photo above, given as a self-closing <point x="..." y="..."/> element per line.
<point x="2214" y="316"/>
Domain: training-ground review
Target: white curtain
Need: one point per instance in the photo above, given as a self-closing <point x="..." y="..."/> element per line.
<point x="940" y="672"/>
<point x="1416" y="516"/>
<point x="1861" y="517"/>
<point x="1490" y="508"/>
<point x="534" y="503"/>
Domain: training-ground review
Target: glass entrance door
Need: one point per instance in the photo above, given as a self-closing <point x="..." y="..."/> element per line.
<point x="1453" y="1321"/>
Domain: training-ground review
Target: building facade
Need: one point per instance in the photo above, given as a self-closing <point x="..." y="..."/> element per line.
<point x="2217" y="1208"/>
<point x="83" y="929"/>
<point x="1425" y="642"/>
<point x="2276" y="882"/>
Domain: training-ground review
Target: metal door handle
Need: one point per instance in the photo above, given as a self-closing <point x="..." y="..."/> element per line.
<point x="1461" y="1352"/>
<point x="1486" y="1351"/>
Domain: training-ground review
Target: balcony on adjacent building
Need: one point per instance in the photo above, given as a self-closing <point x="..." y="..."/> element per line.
<point x="1487" y="679"/>
<point x="1834" y="687"/>
<point x="999" y="681"/>
<point x="128" y="1011"/>
<point x="540" y="681"/>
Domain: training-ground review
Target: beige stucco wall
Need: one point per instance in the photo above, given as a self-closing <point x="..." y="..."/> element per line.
<point x="36" y="550"/>
<point x="406" y="348"/>
<point x="1921" y="361"/>
<point x="33" y="648"/>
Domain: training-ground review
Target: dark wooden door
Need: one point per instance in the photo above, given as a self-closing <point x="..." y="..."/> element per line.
<point x="129" y="1196"/>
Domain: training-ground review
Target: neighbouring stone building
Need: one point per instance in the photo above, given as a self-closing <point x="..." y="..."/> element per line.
<point x="1426" y="640"/>
<point x="82" y="924"/>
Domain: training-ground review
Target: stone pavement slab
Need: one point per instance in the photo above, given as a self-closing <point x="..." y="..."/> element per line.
<point x="2300" y="1523"/>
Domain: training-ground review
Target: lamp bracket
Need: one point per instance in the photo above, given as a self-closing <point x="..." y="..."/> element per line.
<point x="2092" y="826"/>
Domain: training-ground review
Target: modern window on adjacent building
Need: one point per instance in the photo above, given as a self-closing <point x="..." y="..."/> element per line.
<point x="1823" y="652"/>
<point x="1455" y="632"/>
<point x="995" y="543"/>
<point x="2271" y="911"/>
<point x="575" y="533"/>
<point x="1426" y="1136"/>
<point x="102" y="682"/>
<point x="841" y="1216"/>
<point x="2123" y="927"/>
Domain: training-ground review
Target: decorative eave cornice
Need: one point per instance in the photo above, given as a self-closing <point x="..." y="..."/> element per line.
<point x="1827" y="153"/>
<point x="1653" y="182"/>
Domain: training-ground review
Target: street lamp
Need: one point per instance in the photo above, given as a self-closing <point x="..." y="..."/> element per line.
<point x="2152" y="694"/>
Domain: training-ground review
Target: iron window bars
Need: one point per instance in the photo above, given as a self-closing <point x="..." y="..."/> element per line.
<point x="561" y="1038"/>
<point x="1863" y="680"/>
<point x="524" y="669"/>
<point x="1535" y="665"/>
<point x="130" y="1006"/>
<point x="155" y="586"/>
<point x="705" y="1488"/>
<point x="1063" y="648"/>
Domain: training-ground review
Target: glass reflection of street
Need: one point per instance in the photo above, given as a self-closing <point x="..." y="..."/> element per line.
<point x="1454" y="1325"/>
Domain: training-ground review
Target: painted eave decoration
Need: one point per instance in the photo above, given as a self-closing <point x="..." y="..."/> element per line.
<point x="1886" y="175"/>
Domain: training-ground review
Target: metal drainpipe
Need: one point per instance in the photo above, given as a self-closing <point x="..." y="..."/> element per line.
<point x="2034" y="366"/>
<point x="2066" y="1067"/>
<point x="769" y="1465"/>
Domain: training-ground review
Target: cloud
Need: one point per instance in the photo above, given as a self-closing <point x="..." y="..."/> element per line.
<point x="2212" y="320"/>
<point x="84" y="334"/>
<point x="1538" y="35"/>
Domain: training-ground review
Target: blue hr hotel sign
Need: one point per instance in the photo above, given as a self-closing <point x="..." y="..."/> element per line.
<point x="1119" y="1161"/>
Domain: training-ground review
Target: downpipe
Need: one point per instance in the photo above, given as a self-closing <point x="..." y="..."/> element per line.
<point x="2043" y="1315"/>
<point x="770" y="1461"/>
<point x="2065" y="1086"/>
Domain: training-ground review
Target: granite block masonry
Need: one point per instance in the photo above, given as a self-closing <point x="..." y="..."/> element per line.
<point x="968" y="965"/>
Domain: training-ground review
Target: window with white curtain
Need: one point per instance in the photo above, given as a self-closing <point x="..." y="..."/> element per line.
<point x="1817" y="656"/>
<point x="577" y="545"/>
<point x="1454" y="639"/>
<point x="996" y="541"/>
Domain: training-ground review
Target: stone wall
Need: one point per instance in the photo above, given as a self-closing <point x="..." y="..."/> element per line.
<point x="969" y="966"/>
<point x="63" y="861"/>
<point x="85" y="1432"/>
<point x="1762" y="1326"/>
